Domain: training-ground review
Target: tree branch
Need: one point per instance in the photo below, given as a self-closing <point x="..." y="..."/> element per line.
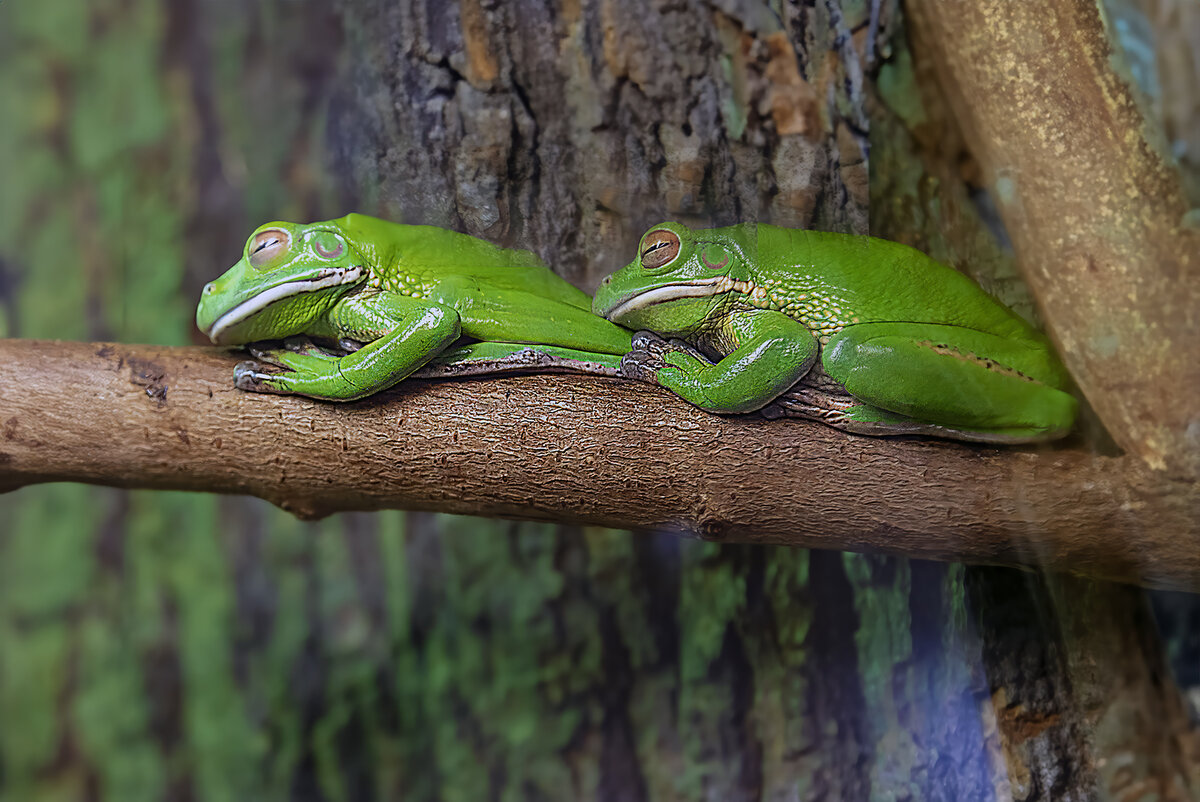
<point x="582" y="450"/>
<point x="1095" y="210"/>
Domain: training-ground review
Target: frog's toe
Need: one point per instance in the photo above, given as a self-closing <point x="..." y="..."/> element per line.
<point x="650" y="343"/>
<point x="251" y="377"/>
<point x="683" y="347"/>
<point x="641" y="366"/>
<point x="646" y="358"/>
<point x="652" y="353"/>
<point x="651" y="349"/>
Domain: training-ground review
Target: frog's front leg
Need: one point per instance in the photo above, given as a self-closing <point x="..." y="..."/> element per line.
<point x="970" y="381"/>
<point x="402" y="334"/>
<point x="770" y="353"/>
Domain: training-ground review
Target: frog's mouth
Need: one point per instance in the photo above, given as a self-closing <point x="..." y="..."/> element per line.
<point x="697" y="288"/>
<point x="322" y="279"/>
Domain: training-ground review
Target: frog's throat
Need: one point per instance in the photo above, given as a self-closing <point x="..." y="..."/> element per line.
<point x="325" y="278"/>
<point x="697" y="288"/>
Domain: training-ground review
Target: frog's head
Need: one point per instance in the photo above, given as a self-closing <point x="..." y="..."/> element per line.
<point x="678" y="279"/>
<point x="288" y="275"/>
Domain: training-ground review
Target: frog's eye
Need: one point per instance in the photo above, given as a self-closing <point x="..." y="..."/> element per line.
<point x="265" y="246"/>
<point x="328" y="245"/>
<point x="659" y="248"/>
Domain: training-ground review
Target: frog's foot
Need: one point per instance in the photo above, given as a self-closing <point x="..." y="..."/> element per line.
<point x="804" y="400"/>
<point x="255" y="377"/>
<point x="285" y="370"/>
<point x="492" y="358"/>
<point x="845" y="412"/>
<point x="870" y="420"/>
<point x="651" y="353"/>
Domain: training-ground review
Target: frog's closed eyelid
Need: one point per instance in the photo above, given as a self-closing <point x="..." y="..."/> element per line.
<point x="337" y="249"/>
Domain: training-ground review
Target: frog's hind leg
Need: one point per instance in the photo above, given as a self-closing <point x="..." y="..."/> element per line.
<point x="513" y="316"/>
<point x="866" y="419"/>
<point x="846" y="413"/>
<point x="490" y="359"/>
<point x="970" y="384"/>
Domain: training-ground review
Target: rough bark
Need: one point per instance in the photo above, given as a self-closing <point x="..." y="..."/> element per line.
<point x="571" y="128"/>
<point x="1097" y="723"/>
<point x="582" y="450"/>
<point x="1094" y="206"/>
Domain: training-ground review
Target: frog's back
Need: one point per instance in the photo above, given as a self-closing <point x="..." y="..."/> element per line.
<point x="835" y="280"/>
<point x="412" y="255"/>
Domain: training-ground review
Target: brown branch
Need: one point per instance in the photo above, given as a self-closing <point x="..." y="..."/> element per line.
<point x="1095" y="210"/>
<point x="590" y="450"/>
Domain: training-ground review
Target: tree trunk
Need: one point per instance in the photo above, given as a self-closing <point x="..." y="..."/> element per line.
<point x="185" y="647"/>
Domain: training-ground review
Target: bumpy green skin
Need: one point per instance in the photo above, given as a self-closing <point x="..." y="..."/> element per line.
<point x="407" y="292"/>
<point x="917" y="346"/>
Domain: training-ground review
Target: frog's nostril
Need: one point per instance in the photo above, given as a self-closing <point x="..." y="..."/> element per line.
<point x="208" y="288"/>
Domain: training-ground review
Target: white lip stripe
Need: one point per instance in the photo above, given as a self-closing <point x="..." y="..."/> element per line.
<point x="264" y="299"/>
<point x="694" y="289"/>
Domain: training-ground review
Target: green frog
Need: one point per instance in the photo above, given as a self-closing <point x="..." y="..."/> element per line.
<point x="870" y="336"/>
<point x="396" y="299"/>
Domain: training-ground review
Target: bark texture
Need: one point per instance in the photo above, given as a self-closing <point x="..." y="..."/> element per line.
<point x="1094" y="205"/>
<point x="572" y="128"/>
<point x="583" y="450"/>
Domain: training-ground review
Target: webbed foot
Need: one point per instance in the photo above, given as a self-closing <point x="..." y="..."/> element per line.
<point x="652" y="353"/>
<point x="253" y="377"/>
<point x="299" y="366"/>
<point x="495" y="358"/>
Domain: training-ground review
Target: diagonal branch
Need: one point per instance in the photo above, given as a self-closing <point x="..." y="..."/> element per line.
<point x="583" y="450"/>
<point x="1096" y="212"/>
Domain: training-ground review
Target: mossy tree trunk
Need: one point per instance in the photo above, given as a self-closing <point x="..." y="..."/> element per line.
<point x="181" y="647"/>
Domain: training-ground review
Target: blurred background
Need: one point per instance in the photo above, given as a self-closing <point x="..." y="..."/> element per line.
<point x="189" y="647"/>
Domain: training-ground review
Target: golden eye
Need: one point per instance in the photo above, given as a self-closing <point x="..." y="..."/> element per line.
<point x="265" y="246"/>
<point x="659" y="248"/>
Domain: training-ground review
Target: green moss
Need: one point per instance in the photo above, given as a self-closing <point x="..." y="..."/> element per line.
<point x="33" y="673"/>
<point x="58" y="31"/>
<point x="713" y="592"/>
<point x="117" y="79"/>
<point x="733" y="108"/>
<point x="223" y="746"/>
<point x="43" y="577"/>
<point x="53" y="292"/>
<point x="504" y="680"/>
<point x="109" y="710"/>
<point x="898" y="87"/>
<point x="909" y="203"/>
<point x="782" y="697"/>
<point x="888" y="675"/>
